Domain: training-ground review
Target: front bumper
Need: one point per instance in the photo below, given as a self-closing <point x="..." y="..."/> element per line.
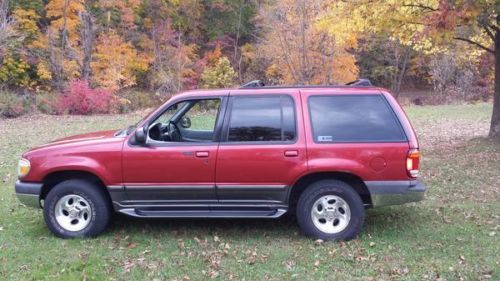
<point x="386" y="193"/>
<point x="29" y="193"/>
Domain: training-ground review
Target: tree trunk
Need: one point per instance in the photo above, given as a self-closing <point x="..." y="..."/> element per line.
<point x="495" y="118"/>
<point x="402" y="72"/>
<point x="87" y="38"/>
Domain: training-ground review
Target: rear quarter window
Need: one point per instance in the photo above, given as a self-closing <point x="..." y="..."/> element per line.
<point x="353" y="118"/>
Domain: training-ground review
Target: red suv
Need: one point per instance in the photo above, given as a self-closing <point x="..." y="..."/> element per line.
<point x="324" y="153"/>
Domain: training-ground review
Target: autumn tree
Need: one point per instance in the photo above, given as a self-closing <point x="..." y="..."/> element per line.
<point x="220" y="75"/>
<point x="476" y="23"/>
<point x="300" y="51"/>
<point x="428" y="25"/>
<point x="116" y="63"/>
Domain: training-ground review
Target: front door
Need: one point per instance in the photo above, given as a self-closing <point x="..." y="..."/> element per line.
<point x="177" y="164"/>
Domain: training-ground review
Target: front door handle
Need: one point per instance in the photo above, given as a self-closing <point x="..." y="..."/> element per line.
<point x="291" y="153"/>
<point x="201" y="154"/>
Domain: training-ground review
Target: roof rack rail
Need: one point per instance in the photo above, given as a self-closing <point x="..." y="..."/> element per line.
<point x="253" y="84"/>
<point x="360" y="82"/>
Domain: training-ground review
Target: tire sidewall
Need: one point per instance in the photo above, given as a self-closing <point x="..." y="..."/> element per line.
<point x="340" y="189"/>
<point x="77" y="188"/>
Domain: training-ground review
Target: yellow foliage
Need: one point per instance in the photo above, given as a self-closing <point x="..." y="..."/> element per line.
<point x="301" y="51"/>
<point x="65" y="14"/>
<point x="71" y="69"/>
<point x="43" y="72"/>
<point x="117" y="63"/>
<point x="274" y="74"/>
<point x="344" y="68"/>
<point x="40" y="43"/>
<point x="26" y="22"/>
<point x="221" y="75"/>
<point x="15" y="72"/>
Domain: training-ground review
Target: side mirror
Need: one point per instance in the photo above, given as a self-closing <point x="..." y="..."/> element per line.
<point x="186" y="122"/>
<point x="140" y="135"/>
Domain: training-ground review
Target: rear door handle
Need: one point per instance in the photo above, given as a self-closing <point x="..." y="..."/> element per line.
<point x="201" y="154"/>
<point x="291" y="153"/>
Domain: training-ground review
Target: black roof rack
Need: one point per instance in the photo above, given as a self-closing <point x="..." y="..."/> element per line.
<point x="253" y="84"/>
<point x="362" y="82"/>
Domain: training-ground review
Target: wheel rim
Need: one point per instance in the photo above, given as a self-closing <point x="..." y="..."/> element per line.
<point x="73" y="212"/>
<point x="331" y="214"/>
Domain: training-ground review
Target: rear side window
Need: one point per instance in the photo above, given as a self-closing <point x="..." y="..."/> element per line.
<point x="262" y="119"/>
<point x="342" y="118"/>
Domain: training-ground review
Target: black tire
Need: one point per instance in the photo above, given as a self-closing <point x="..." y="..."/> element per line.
<point x="330" y="187"/>
<point x="98" y="200"/>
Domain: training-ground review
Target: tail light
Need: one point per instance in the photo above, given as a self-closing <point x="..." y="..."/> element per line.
<point x="412" y="162"/>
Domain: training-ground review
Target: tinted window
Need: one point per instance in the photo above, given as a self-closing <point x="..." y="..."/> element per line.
<point x="353" y="119"/>
<point x="262" y="119"/>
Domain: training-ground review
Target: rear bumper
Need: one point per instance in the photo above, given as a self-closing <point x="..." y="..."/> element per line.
<point x="386" y="193"/>
<point x="29" y="193"/>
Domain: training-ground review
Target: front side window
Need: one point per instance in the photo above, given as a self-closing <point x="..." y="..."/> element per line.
<point x="186" y="121"/>
<point x="259" y="118"/>
<point x="353" y="118"/>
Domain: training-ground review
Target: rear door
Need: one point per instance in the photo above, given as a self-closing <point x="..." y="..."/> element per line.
<point x="262" y="148"/>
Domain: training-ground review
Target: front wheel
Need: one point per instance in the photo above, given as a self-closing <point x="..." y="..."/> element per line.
<point x="330" y="210"/>
<point x="76" y="208"/>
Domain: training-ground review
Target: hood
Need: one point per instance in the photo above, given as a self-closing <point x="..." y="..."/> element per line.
<point x="81" y="141"/>
<point x="84" y="137"/>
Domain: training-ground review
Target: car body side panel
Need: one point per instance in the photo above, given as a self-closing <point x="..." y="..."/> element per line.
<point x="369" y="161"/>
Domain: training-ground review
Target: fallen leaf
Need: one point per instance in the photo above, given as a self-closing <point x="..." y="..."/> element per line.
<point x="361" y="258"/>
<point x="213" y="274"/>
<point x="289" y="264"/>
<point x="318" y="242"/>
<point x="131" y="245"/>
<point x="128" y="265"/>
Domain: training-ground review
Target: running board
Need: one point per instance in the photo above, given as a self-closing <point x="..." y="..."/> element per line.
<point x="145" y="213"/>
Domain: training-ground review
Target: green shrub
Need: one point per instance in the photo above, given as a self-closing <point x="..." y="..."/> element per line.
<point x="46" y="102"/>
<point x="13" y="105"/>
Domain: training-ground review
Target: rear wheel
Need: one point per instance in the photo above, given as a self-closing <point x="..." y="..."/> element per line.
<point x="76" y="208"/>
<point x="330" y="210"/>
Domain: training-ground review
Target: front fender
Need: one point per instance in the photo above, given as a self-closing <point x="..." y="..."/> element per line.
<point x="106" y="168"/>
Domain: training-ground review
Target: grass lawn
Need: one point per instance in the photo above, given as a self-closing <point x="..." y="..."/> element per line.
<point x="453" y="234"/>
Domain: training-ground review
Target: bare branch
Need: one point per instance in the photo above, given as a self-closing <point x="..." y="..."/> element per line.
<point x="489" y="32"/>
<point x="475" y="43"/>
<point x="421" y="6"/>
<point x="8" y="35"/>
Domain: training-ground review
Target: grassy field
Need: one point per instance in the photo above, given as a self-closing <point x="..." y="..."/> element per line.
<point x="453" y="234"/>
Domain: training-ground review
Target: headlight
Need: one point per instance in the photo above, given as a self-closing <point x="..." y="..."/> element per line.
<point x="23" y="168"/>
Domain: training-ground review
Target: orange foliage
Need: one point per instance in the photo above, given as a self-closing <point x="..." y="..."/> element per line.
<point x="117" y="63"/>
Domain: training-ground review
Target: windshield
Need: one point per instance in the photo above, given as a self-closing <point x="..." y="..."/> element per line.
<point x="129" y="129"/>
